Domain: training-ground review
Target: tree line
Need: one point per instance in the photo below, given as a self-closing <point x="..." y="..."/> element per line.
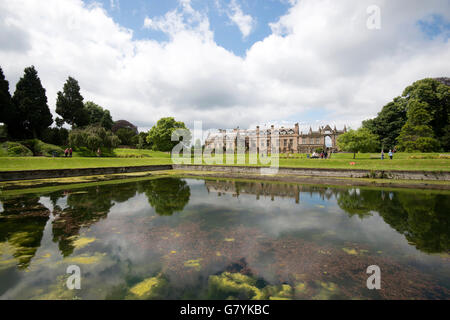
<point x="416" y="121"/>
<point x="26" y="115"/>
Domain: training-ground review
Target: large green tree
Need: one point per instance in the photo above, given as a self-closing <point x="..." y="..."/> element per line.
<point x="435" y="94"/>
<point x="361" y="140"/>
<point x="389" y="122"/>
<point x="99" y="116"/>
<point x="93" y="138"/>
<point x="31" y="115"/>
<point x="417" y="134"/>
<point x="436" y="97"/>
<point x="160" y="136"/>
<point x="5" y="98"/>
<point x="70" y="106"/>
<point x="127" y="137"/>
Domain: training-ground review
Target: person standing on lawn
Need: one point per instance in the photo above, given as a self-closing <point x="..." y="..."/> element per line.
<point x="382" y="154"/>
<point x="70" y="152"/>
<point x="391" y="155"/>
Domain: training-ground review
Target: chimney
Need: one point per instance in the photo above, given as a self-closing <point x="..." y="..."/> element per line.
<point x="297" y="129"/>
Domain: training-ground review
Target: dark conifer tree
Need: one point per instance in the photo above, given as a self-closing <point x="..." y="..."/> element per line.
<point x="5" y="98"/>
<point x="32" y="115"/>
<point x="70" y="106"/>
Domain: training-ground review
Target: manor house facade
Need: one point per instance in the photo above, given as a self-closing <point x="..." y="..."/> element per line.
<point x="291" y="140"/>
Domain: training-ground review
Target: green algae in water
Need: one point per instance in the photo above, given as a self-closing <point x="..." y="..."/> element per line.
<point x="352" y="252"/>
<point x="83" y="242"/>
<point x="85" y="259"/>
<point x="194" y="264"/>
<point x="149" y="288"/>
<point x="326" y="291"/>
<point x="233" y="285"/>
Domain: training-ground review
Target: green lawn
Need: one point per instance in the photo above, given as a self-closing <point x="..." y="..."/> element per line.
<point x="130" y="157"/>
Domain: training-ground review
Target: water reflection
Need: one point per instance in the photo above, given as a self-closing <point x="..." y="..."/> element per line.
<point x="225" y="239"/>
<point x="422" y="217"/>
<point x="168" y="195"/>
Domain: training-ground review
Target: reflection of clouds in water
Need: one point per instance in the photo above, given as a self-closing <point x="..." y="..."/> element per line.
<point x="313" y="213"/>
<point x="137" y="205"/>
<point x="46" y="202"/>
<point x="62" y="202"/>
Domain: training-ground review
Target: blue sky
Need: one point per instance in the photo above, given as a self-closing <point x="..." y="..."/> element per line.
<point x="131" y="14"/>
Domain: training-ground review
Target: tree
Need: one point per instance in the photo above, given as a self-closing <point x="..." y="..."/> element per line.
<point x="417" y="134"/>
<point x="435" y="93"/>
<point x="436" y="96"/>
<point x="126" y="136"/>
<point x="389" y="122"/>
<point x="142" y="141"/>
<point x="56" y="136"/>
<point x="31" y="114"/>
<point x="124" y="124"/>
<point x="161" y="134"/>
<point x="69" y="104"/>
<point x="6" y="104"/>
<point x="93" y="138"/>
<point x="361" y="140"/>
<point x="99" y="116"/>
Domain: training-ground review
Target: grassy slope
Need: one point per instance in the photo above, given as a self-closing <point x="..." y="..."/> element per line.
<point x="363" y="161"/>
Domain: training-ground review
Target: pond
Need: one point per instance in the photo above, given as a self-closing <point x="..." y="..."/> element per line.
<point x="175" y="238"/>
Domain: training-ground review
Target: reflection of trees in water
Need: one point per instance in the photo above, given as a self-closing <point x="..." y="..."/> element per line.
<point x="22" y="226"/>
<point x="84" y="209"/>
<point x="420" y="216"/>
<point x="168" y="195"/>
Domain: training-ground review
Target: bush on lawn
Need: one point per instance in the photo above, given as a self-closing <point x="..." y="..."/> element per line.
<point x="15" y="149"/>
<point x="40" y="148"/>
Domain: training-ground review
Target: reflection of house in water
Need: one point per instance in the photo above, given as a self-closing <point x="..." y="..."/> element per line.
<point x="264" y="189"/>
<point x="257" y="188"/>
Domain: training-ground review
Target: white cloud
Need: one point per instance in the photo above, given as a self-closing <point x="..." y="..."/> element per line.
<point x="320" y="60"/>
<point x="244" y="22"/>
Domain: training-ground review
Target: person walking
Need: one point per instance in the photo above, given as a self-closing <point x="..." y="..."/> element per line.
<point x="70" y="152"/>
<point x="391" y="155"/>
<point x="382" y="154"/>
<point x="66" y="152"/>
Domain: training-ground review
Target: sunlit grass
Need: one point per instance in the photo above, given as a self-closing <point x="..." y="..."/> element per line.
<point x="134" y="157"/>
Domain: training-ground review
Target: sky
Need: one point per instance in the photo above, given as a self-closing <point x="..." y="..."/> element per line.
<point x="229" y="63"/>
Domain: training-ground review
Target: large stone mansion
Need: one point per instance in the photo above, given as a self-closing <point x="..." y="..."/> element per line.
<point x="291" y="140"/>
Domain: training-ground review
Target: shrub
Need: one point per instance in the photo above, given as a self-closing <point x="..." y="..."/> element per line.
<point x="93" y="138"/>
<point x="15" y="149"/>
<point x="56" y="136"/>
<point x="39" y="148"/>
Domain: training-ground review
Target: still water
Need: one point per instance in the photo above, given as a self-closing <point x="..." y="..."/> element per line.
<point x="173" y="238"/>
